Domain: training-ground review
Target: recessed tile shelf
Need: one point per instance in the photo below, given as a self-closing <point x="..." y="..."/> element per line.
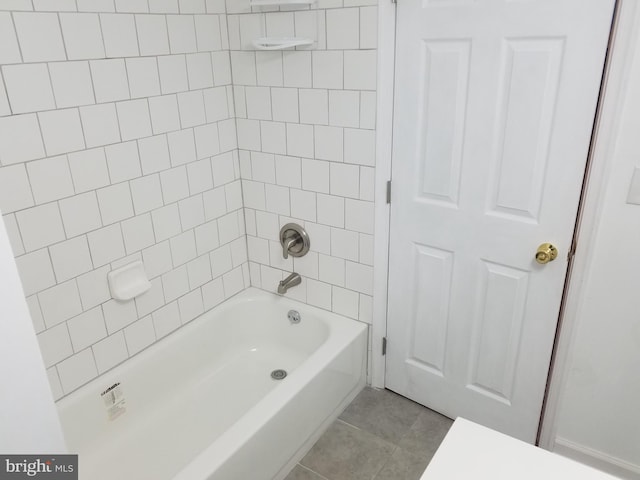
<point x="264" y="3"/>
<point x="278" y="43"/>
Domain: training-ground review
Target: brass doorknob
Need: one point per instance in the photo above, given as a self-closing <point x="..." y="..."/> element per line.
<point x="546" y="253"/>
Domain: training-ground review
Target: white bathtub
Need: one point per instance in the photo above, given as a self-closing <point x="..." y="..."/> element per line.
<point x="201" y="404"/>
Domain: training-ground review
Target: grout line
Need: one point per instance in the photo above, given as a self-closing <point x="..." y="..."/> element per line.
<point x="126" y="74"/>
<point x="64" y="45"/>
<point x="104" y="43"/>
<point x="93" y="89"/>
<point x="15" y="30"/>
<point x="312" y="471"/>
<point x="195" y="32"/>
<point x="115" y="108"/>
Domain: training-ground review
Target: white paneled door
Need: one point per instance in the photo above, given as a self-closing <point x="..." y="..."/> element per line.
<point x="494" y="108"/>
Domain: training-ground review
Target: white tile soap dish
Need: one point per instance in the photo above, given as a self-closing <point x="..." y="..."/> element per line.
<point x="129" y="281"/>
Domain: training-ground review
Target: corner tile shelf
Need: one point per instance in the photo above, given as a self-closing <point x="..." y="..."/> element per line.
<point x="265" y="3"/>
<point x="278" y="43"/>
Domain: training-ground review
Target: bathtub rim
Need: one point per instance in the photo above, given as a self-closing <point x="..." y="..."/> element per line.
<point x="250" y="294"/>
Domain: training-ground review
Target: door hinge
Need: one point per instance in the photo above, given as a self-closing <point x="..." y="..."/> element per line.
<point x="384" y="345"/>
<point x="389" y="191"/>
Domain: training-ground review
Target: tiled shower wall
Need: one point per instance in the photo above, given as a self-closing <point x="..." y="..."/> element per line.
<point x="118" y="142"/>
<point x="306" y="134"/>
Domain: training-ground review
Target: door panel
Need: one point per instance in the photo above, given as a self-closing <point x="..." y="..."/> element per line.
<point x="527" y="100"/>
<point x="445" y="68"/>
<point x="494" y="106"/>
<point x="429" y="321"/>
<point x="497" y="330"/>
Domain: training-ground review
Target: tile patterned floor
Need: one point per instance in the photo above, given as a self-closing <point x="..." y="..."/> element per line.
<point x="380" y="436"/>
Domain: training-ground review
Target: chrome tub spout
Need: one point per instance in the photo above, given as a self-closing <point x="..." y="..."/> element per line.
<point x="291" y="281"/>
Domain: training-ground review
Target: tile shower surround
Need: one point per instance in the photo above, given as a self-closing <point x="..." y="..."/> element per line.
<point x="148" y="129"/>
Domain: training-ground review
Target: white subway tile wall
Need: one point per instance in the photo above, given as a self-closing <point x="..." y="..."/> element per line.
<point x="306" y="134"/>
<point x="115" y="146"/>
<point x="151" y="130"/>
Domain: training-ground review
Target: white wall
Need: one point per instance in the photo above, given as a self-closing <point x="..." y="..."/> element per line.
<point x="27" y="413"/>
<point x="598" y="420"/>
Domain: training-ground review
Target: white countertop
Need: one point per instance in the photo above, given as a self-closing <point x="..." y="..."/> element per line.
<point x="471" y="451"/>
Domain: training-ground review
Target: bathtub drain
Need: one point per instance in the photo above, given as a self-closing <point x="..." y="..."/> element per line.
<point x="278" y="374"/>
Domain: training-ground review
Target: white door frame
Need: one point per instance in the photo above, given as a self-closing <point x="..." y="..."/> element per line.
<point x="627" y="28"/>
<point x="384" y="144"/>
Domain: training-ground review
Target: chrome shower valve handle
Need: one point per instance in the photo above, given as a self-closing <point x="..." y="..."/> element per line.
<point x="294" y="240"/>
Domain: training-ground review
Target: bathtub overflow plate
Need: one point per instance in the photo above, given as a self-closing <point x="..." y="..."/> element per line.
<point x="294" y="316"/>
<point x="278" y="374"/>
